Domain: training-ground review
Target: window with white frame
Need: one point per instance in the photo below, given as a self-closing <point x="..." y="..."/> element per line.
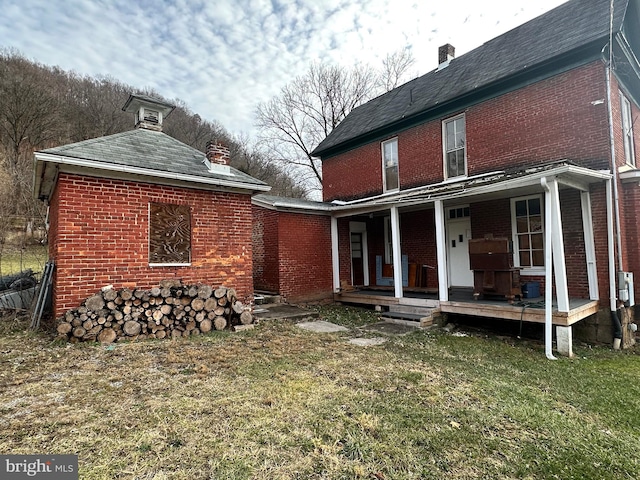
<point x="627" y="130"/>
<point x="454" y="146"/>
<point x="528" y="232"/>
<point x="390" y="165"/>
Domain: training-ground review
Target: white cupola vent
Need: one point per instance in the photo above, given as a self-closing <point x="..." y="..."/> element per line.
<point x="149" y="112"/>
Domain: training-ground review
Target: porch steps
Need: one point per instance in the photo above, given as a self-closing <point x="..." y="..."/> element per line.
<point x="265" y="298"/>
<point x="410" y="315"/>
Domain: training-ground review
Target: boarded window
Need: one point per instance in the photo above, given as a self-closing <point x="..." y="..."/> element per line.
<point x="169" y="233"/>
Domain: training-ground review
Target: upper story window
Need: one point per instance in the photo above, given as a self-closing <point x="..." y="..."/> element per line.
<point x="528" y="233"/>
<point x="454" y="143"/>
<point x="627" y="130"/>
<point x="390" y="165"/>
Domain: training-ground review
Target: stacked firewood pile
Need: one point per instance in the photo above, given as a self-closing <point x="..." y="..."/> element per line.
<point x="170" y="310"/>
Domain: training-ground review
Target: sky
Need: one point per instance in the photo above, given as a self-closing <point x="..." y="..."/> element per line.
<point x="224" y="57"/>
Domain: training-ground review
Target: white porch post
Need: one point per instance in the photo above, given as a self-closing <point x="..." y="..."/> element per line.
<point x="548" y="258"/>
<point x="335" y="254"/>
<point x="559" y="260"/>
<point x="589" y="245"/>
<point x="441" y="248"/>
<point x="397" y="255"/>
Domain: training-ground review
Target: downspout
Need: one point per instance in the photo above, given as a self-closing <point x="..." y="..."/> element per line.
<point x="617" y="327"/>
<point x="613" y="201"/>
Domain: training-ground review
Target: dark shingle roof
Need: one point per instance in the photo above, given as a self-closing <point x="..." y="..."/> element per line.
<point x="567" y="28"/>
<point x="150" y="150"/>
<point x="293" y="203"/>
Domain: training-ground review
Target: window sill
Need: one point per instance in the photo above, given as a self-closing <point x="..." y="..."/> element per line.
<point x="630" y="174"/>
<point x="169" y="265"/>
<point x="454" y="179"/>
<point x="532" y="272"/>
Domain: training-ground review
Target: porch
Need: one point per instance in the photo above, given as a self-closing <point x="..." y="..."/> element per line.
<point x="526" y="226"/>
<point x="461" y="302"/>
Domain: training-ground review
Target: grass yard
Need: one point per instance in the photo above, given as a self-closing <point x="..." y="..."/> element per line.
<point x="14" y="259"/>
<point x="278" y="402"/>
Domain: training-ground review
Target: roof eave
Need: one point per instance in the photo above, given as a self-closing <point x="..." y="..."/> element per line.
<point x="42" y="190"/>
<point x="291" y="206"/>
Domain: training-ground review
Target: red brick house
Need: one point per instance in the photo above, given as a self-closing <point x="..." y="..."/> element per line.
<point x="134" y="208"/>
<point x="529" y="139"/>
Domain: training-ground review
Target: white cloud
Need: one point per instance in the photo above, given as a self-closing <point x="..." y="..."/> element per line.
<point x="223" y="58"/>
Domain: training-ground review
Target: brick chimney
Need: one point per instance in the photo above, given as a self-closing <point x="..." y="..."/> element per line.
<point x="446" y="53"/>
<point x="217" y="153"/>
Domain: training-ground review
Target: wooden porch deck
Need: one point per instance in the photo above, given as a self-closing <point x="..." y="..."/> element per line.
<point x="461" y="302"/>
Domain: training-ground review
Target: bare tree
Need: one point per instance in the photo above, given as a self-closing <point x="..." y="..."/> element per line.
<point x="247" y="158"/>
<point x="28" y="120"/>
<point x="395" y="67"/>
<point x="190" y="128"/>
<point x="293" y="123"/>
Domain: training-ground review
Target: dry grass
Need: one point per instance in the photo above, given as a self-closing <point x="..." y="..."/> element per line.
<point x="15" y="258"/>
<point x="281" y="403"/>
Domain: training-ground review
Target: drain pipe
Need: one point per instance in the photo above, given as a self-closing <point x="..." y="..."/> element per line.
<point x="617" y="327"/>
<point x="613" y="203"/>
<point x="548" y="258"/>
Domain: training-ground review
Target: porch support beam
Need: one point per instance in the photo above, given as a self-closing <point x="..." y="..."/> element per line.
<point x="557" y="243"/>
<point x="548" y="272"/>
<point x="397" y="255"/>
<point x="335" y="255"/>
<point x="441" y="248"/>
<point x="589" y="245"/>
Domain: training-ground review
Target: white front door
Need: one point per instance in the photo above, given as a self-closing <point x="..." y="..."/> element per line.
<point x="458" y="236"/>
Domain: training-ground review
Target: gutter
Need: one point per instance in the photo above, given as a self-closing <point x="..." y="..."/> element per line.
<point x="321" y="207"/>
<point x="138" y="171"/>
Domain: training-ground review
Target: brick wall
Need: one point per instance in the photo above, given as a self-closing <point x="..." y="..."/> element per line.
<point x="574" y="247"/>
<point x="357" y="173"/>
<point x="305" y="266"/>
<point x="266" y="274"/>
<point x="418" y="241"/>
<point x="550" y="120"/>
<point x="99" y="236"/>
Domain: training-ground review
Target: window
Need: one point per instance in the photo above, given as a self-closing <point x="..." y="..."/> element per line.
<point x="627" y="130"/>
<point x="169" y="234"/>
<point x="453" y="139"/>
<point x="458" y="212"/>
<point x="528" y="232"/>
<point x="390" y="165"/>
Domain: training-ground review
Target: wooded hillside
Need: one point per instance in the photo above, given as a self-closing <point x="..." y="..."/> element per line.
<point x="43" y="107"/>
